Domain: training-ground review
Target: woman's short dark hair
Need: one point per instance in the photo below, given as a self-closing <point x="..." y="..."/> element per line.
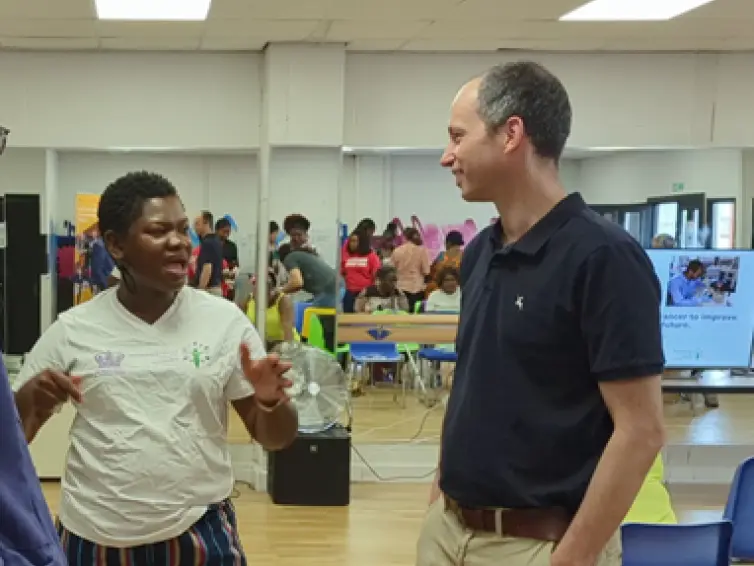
<point x="454" y="238"/>
<point x="364" y="246"/>
<point x="446" y="271"/>
<point x="274" y="227"/>
<point x="296" y="221"/>
<point x="122" y="202"/>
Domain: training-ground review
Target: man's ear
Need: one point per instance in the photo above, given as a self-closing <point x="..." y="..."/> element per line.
<point x="113" y="245"/>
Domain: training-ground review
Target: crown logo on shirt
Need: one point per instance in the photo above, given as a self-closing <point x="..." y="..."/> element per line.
<point x="109" y="360"/>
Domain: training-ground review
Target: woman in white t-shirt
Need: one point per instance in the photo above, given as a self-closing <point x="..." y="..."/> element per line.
<point x="447" y="297"/>
<point x="151" y="366"/>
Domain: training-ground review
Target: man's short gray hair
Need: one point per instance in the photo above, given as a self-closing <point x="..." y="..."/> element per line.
<point x="665" y="241"/>
<point x="531" y="92"/>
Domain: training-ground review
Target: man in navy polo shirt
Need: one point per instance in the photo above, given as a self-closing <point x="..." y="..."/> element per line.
<point x="555" y="416"/>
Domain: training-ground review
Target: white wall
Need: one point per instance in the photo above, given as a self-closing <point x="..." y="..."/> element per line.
<point x="385" y="186"/>
<point x="632" y="177"/>
<point x="22" y="171"/>
<point x="213" y="101"/>
<point x="223" y="184"/>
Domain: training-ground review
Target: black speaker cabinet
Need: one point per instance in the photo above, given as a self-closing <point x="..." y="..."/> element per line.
<point x="315" y="470"/>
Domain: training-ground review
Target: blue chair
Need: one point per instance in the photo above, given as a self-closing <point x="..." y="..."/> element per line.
<point x="705" y="544"/>
<point x="739" y="510"/>
<point x="365" y="354"/>
<point x="298" y="315"/>
<point x="432" y="383"/>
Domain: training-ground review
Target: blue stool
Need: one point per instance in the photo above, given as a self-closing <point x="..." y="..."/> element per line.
<point x="298" y="316"/>
<point x="365" y="354"/>
<point x="434" y="357"/>
<point x="705" y="544"/>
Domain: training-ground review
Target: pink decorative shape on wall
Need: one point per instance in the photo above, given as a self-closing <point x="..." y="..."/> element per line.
<point x="433" y="235"/>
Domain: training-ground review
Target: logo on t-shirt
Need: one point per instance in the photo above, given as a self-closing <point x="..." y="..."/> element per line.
<point x="108" y="360"/>
<point x="197" y="354"/>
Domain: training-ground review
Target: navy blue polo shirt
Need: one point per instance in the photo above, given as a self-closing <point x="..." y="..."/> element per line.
<point x="211" y="252"/>
<point x="543" y="321"/>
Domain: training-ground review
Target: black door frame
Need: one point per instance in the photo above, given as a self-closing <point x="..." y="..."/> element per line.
<point x="691" y="201"/>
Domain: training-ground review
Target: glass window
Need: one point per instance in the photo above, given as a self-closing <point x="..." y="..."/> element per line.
<point x="666" y="219"/>
<point x="723" y="224"/>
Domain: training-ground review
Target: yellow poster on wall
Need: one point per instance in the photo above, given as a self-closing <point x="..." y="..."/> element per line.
<point x="87" y="236"/>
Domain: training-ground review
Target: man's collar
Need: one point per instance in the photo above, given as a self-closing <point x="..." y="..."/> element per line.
<point x="539" y="234"/>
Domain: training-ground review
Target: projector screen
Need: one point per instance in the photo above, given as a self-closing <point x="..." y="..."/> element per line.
<point x="707" y="307"/>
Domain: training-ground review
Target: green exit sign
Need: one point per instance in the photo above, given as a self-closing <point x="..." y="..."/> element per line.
<point x="677" y="187"/>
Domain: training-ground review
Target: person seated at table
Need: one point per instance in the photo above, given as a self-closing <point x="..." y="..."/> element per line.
<point x="279" y="317"/>
<point x="447" y="297"/>
<point x="684" y="289"/>
<point x="384" y="295"/>
<point x="451" y="257"/>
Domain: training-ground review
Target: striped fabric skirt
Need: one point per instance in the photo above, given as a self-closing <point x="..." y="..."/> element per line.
<point x="211" y="541"/>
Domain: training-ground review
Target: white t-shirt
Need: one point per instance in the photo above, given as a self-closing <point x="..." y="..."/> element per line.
<point x="439" y="300"/>
<point x="148" y="448"/>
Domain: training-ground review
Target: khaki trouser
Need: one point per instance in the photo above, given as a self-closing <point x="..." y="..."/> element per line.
<point x="444" y="541"/>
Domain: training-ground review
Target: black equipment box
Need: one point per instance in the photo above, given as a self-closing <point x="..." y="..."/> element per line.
<point x="315" y="470"/>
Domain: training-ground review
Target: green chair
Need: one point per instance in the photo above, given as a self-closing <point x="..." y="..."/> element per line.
<point x="317" y="337"/>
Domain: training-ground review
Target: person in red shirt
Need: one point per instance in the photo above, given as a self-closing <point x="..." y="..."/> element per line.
<point x="358" y="266"/>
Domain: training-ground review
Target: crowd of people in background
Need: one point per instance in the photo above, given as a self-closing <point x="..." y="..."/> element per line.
<point x="395" y="272"/>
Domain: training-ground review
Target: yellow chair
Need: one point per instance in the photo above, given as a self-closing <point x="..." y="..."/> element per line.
<point x="652" y="504"/>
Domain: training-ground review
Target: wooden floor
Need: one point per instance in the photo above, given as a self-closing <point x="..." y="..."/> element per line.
<point x="378" y="529"/>
<point x="380" y="419"/>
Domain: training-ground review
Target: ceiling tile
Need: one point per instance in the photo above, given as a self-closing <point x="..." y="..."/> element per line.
<point x="47" y="28"/>
<point x="481" y="10"/>
<point x="273" y="30"/>
<point x="391" y="10"/>
<point x="375" y="44"/>
<point x="149" y="29"/>
<point x="47" y="9"/>
<point x="734" y="9"/>
<point x="349" y="31"/>
<point x="233" y="44"/>
<point x="49" y="43"/>
<point x="269" y="9"/>
<point x="150" y="43"/>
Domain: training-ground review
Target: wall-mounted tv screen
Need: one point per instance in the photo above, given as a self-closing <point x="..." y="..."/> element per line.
<point x="707" y="307"/>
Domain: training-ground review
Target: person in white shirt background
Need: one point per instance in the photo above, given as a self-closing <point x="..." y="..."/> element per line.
<point x="447" y="296"/>
<point x="151" y="366"/>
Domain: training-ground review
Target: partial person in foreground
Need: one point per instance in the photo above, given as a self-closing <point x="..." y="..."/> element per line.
<point x="27" y="535"/>
<point x="151" y="366"/>
<point x="555" y="414"/>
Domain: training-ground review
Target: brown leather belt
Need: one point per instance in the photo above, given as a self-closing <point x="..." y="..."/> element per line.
<point x="545" y="524"/>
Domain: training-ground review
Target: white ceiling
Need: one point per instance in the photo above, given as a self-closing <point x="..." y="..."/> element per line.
<point x="376" y="25"/>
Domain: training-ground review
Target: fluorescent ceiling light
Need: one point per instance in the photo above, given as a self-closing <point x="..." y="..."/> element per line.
<point x="631" y="10"/>
<point x="155" y="10"/>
